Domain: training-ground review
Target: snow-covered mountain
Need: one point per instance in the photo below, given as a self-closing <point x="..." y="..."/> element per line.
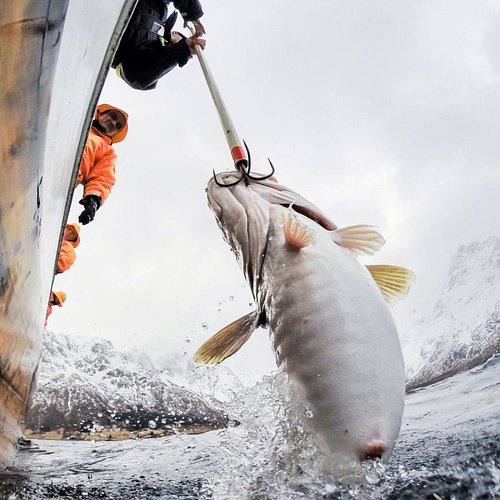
<point x="463" y="329"/>
<point x="85" y="383"/>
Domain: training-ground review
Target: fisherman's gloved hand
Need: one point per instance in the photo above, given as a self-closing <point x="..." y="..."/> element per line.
<point x="91" y="204"/>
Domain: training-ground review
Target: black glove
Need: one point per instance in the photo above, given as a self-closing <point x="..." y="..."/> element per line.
<point x="91" y="204"/>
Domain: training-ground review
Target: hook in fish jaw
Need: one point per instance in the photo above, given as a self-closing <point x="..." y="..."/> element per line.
<point x="244" y="167"/>
<point x="221" y="184"/>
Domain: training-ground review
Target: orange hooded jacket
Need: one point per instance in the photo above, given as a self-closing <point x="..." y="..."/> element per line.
<point x="97" y="168"/>
<point x="67" y="254"/>
<point x="61" y="297"/>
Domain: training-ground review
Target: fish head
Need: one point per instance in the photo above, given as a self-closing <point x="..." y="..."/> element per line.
<point x="242" y="211"/>
<point x="243" y="218"/>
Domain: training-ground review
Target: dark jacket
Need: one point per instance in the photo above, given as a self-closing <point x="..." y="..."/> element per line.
<point x="142" y="56"/>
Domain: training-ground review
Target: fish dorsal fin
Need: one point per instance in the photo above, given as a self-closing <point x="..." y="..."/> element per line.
<point x="393" y="281"/>
<point x="228" y="340"/>
<point x="297" y="234"/>
<point x="360" y="239"/>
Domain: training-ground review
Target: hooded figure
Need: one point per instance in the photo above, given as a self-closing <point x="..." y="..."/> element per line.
<point x="56" y="299"/>
<point x="67" y="254"/>
<point x="97" y="168"/>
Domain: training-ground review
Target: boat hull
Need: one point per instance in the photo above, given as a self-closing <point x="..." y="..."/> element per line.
<point x="53" y="66"/>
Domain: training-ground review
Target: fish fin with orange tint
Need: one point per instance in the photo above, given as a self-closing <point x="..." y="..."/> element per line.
<point x="297" y="234"/>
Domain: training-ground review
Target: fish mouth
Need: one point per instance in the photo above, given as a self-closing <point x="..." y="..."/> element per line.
<point x="243" y="218"/>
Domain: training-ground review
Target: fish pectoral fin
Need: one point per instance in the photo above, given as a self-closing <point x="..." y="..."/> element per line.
<point x="393" y="281"/>
<point x="361" y="239"/>
<point x="228" y="340"/>
<point x="297" y="234"/>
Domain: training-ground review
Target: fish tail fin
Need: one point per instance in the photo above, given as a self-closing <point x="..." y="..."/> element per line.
<point x="361" y="239"/>
<point x="393" y="281"/>
<point x="228" y="340"/>
<point x="297" y="235"/>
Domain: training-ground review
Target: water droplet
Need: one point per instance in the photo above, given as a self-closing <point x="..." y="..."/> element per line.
<point x="372" y="476"/>
<point x="308" y="413"/>
<point x="204" y="326"/>
<point x="330" y="488"/>
<point x="99" y="414"/>
<point x="187" y="340"/>
<point x="379" y="467"/>
<point x="152" y="424"/>
<point x="231" y="298"/>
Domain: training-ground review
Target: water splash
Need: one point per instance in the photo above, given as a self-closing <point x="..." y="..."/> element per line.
<point x="271" y="455"/>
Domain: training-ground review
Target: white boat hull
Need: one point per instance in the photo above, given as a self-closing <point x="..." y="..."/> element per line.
<point x="54" y="56"/>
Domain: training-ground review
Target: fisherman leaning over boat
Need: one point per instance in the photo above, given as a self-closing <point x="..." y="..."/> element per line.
<point x="67" y="254"/>
<point x="149" y="48"/>
<point x="56" y="299"/>
<point x="97" y="168"/>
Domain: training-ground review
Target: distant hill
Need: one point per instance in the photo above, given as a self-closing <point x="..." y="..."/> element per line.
<point x="463" y="329"/>
<point x="85" y="385"/>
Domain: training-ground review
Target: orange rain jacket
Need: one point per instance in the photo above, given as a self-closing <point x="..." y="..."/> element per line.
<point x="97" y="168"/>
<point x="67" y="254"/>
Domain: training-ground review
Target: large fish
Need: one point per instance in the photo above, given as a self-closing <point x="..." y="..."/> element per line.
<point x="326" y="313"/>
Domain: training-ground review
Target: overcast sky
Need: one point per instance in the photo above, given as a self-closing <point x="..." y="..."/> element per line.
<point x="383" y="113"/>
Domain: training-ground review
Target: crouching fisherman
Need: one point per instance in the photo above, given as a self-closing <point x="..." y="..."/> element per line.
<point x="149" y="49"/>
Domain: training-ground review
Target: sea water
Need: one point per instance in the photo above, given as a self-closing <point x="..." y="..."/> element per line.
<point x="449" y="448"/>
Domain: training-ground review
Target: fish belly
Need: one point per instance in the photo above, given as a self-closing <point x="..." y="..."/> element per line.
<point x="335" y="337"/>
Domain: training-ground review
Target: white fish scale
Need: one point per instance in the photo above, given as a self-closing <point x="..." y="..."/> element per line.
<point x="335" y="337"/>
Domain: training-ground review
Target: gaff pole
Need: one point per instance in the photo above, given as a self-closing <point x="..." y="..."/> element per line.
<point x="238" y="151"/>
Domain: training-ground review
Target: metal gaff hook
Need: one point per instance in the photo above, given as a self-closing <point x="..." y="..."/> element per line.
<point x="244" y="167"/>
<point x="241" y="163"/>
<point x="253" y="177"/>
